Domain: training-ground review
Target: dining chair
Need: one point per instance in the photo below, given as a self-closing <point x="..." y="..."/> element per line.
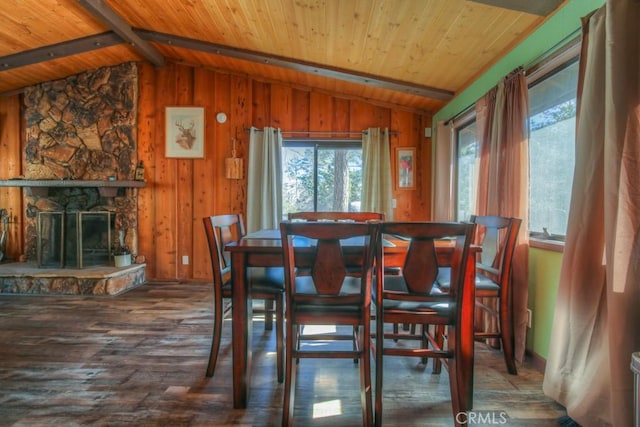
<point x="335" y="216"/>
<point x="498" y="237"/>
<point x="265" y="283"/>
<point x="328" y="295"/>
<point x="414" y="298"/>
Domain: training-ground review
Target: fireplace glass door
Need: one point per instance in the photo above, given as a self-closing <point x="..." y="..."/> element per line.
<point x="74" y="239"/>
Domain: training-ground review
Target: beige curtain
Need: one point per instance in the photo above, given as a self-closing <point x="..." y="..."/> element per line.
<point x="376" y="173"/>
<point x="503" y="182"/>
<point x="597" y="316"/>
<point x="264" y="187"/>
<point x="443" y="199"/>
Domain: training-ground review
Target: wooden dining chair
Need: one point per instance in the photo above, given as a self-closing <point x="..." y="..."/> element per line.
<point x="265" y="283"/>
<point x="498" y="237"/>
<point x="414" y="298"/>
<point x="328" y="295"/>
<point x="335" y="216"/>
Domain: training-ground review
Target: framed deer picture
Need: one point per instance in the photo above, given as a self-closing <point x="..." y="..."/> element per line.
<point x="185" y="132"/>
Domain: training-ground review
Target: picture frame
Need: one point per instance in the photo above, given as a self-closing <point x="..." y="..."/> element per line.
<point x="406" y="161"/>
<point x="184" y="132"/>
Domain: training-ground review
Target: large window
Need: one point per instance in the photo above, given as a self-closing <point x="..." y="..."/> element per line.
<point x="552" y="123"/>
<point x="467" y="167"/>
<point x="321" y="175"/>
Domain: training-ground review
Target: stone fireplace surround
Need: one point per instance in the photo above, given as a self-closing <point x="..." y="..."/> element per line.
<point x="81" y="128"/>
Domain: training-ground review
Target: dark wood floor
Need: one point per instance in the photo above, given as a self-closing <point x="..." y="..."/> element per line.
<point x="138" y="359"/>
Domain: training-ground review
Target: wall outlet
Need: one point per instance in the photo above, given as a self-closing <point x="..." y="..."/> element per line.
<point x="185" y="259"/>
<point x="529" y="317"/>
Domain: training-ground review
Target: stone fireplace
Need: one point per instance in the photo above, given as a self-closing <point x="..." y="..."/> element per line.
<point x="79" y="130"/>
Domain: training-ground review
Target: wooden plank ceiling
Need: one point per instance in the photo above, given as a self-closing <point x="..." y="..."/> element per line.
<point x="412" y="53"/>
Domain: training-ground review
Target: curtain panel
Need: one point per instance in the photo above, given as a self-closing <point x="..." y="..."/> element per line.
<point x="597" y="315"/>
<point x="503" y="179"/>
<point x="443" y="153"/>
<point x="264" y="179"/>
<point x="377" y="194"/>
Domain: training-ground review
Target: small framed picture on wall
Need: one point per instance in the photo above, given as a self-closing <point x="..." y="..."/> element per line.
<point x="406" y="168"/>
<point x="184" y="132"/>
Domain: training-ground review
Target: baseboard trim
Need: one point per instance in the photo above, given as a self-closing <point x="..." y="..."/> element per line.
<point x="538" y="362"/>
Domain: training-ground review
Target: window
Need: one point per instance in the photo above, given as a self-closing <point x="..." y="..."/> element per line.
<point x="552" y="124"/>
<point x="467" y="167"/>
<point x="321" y="175"/>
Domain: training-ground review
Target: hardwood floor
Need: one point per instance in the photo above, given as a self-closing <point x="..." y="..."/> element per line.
<point x="138" y="359"/>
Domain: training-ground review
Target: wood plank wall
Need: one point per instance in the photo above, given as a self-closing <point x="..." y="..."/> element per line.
<point x="10" y="167"/>
<point x="180" y="192"/>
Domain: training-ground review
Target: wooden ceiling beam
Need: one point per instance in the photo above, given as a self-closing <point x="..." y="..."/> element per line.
<point x="59" y="50"/>
<point x="293" y="64"/>
<point x="115" y="22"/>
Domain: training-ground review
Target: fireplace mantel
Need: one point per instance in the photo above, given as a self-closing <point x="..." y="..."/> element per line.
<point x="40" y="187"/>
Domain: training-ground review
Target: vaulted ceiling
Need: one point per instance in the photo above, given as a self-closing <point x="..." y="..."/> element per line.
<point x="413" y="53"/>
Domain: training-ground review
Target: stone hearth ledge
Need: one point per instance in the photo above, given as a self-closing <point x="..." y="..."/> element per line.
<point x="28" y="278"/>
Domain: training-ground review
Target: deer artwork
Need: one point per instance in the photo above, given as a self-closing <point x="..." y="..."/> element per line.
<point x="186" y="136"/>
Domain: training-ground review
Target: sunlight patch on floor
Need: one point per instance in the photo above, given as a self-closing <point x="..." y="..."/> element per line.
<point x="329" y="408"/>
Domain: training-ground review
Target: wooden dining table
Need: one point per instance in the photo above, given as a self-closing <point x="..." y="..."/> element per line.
<point x="264" y="249"/>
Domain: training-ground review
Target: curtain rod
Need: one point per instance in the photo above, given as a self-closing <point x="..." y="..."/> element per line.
<point x="568" y="41"/>
<point x="319" y="132"/>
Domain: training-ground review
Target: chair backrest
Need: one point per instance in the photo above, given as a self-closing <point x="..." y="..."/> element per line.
<point x="329" y="249"/>
<point x="421" y="261"/>
<point x="498" y="237"/>
<point x="336" y="216"/>
<point x="221" y="230"/>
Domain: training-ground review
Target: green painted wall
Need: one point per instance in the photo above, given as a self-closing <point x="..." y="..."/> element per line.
<point x="544" y="266"/>
<point x="544" y="272"/>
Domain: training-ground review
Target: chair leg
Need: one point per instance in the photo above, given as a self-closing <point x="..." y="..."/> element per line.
<point x="365" y="374"/>
<point x="460" y="376"/>
<point x="289" y="378"/>
<point x="215" y="340"/>
<point x="379" y="361"/>
<point x="299" y="331"/>
<point x="507" y="338"/>
<point x="439" y="331"/>
<point x="356" y="330"/>
<point x="268" y="314"/>
<point x="280" y="337"/>
<point x="425" y="341"/>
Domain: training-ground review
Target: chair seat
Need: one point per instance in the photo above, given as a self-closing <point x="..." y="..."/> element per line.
<point x="266" y="280"/>
<point x="483" y="283"/>
<point x="398" y="284"/>
<point x="350" y="288"/>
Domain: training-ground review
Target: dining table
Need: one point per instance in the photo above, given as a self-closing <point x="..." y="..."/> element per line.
<point x="263" y="248"/>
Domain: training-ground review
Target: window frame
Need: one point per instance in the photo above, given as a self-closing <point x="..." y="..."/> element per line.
<point x="325" y="144"/>
<point x="462" y="121"/>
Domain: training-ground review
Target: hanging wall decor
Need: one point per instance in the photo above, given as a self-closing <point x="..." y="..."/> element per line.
<point x="185" y="132"/>
<point x="406" y="167"/>
<point x="233" y="165"/>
